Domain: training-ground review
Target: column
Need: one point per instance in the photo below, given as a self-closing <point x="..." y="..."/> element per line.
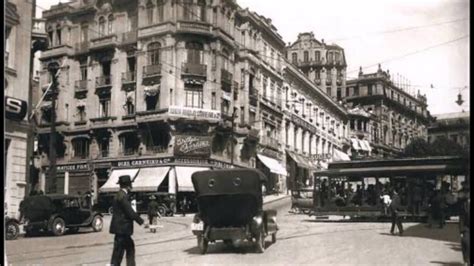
<point x="291" y="136"/>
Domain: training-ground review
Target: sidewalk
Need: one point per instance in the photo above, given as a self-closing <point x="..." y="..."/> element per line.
<point x="273" y="197"/>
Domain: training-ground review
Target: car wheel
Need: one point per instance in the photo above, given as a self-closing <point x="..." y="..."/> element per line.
<point x="97" y="223"/>
<point x="202" y="244"/>
<point x="58" y="227"/>
<point x="12" y="230"/>
<point x="260" y="242"/>
<point x="111" y="210"/>
<point x="274" y="238"/>
<point x="162" y="211"/>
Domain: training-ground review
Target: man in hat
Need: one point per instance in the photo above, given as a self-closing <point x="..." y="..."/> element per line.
<point x="122" y="223"/>
<point x="394" y="209"/>
<point x="153" y="207"/>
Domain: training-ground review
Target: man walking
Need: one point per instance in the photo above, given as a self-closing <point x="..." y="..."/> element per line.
<point x="122" y="223"/>
<point x="394" y="205"/>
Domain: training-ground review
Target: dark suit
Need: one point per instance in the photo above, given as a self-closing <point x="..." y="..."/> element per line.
<point x="122" y="226"/>
<point x="394" y="208"/>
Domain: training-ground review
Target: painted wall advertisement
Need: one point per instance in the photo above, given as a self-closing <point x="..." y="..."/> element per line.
<point x="192" y="146"/>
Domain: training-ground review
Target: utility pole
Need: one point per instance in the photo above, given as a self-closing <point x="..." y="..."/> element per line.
<point x="53" y="69"/>
<point x="232" y="137"/>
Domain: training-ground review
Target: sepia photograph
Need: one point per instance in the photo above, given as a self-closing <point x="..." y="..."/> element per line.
<point x="236" y="132"/>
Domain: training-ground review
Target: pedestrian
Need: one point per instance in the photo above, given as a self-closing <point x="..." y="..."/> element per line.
<point x="153" y="212"/>
<point x="394" y="212"/>
<point x="385" y="201"/>
<point x="122" y="223"/>
<point x="184" y="204"/>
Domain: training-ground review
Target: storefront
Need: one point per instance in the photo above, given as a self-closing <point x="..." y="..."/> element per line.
<point x="275" y="171"/>
<point x="301" y="169"/>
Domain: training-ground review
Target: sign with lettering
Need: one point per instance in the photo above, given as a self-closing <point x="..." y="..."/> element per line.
<point x="139" y="163"/>
<point x="195" y="113"/>
<point x="15" y="109"/>
<point x="72" y="167"/>
<point x="171" y="161"/>
<point x="192" y="146"/>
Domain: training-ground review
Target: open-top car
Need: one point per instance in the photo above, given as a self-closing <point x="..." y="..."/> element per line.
<point x="230" y="208"/>
<point x="55" y="213"/>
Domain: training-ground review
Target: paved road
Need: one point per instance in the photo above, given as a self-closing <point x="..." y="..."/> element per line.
<point x="301" y="240"/>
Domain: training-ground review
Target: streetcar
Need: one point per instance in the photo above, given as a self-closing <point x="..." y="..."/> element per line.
<point x="355" y="189"/>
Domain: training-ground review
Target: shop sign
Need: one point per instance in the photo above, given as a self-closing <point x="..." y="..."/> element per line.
<point x="321" y="156"/>
<point x="194" y="113"/>
<point x="138" y="163"/>
<point x="72" y="167"/>
<point x="192" y="146"/>
<point x="15" y="109"/>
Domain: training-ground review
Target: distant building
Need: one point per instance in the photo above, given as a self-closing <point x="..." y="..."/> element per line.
<point x="454" y="126"/>
<point x="324" y="64"/>
<point x="399" y="115"/>
<point x="361" y="133"/>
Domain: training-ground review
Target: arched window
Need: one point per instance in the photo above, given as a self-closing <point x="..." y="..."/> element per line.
<point x="101" y="26"/>
<point x="154" y="53"/>
<point x="202" y="10"/>
<point x="58" y="34"/>
<point x="187" y="9"/>
<point x="50" y="36"/>
<point x="160" y="10"/>
<point x="149" y="12"/>
<point x="110" y="22"/>
<point x="195" y="52"/>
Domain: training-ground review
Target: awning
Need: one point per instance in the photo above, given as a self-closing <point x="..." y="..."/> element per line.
<point x="111" y="184"/>
<point x="301" y="161"/>
<point x="273" y="165"/>
<point x="356" y="144"/>
<point x="148" y="179"/>
<point x="183" y="177"/>
<point x="365" y="145"/>
<point x="340" y="156"/>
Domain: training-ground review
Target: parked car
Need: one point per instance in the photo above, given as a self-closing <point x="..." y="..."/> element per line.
<point x="57" y="213"/>
<point x="230" y="208"/>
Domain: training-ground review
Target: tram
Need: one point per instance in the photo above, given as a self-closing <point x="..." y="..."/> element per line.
<point x="355" y="188"/>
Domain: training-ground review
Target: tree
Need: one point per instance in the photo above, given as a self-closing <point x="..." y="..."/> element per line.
<point x="442" y="146"/>
<point x="418" y="147"/>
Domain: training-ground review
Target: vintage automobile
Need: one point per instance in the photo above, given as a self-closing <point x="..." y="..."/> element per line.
<point x="230" y="208"/>
<point x="55" y="213"/>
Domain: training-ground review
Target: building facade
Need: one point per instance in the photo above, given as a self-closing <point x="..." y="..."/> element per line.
<point x="453" y="126"/>
<point x="19" y="34"/>
<point x="171" y="86"/>
<point x="399" y="116"/>
<point x="324" y="64"/>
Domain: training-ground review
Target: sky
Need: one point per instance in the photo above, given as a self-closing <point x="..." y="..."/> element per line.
<point x="425" y="41"/>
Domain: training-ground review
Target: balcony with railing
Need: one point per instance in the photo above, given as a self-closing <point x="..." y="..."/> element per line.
<point x="104" y="42"/>
<point x="57" y="50"/>
<point x="80" y="86"/>
<point x="103" y="82"/>
<point x="270" y="142"/>
<point x="129" y="80"/>
<point x="82" y="47"/>
<point x="194" y="70"/>
<point x="151" y="74"/>
<point x="151" y="150"/>
<point x="39" y="29"/>
<point x="253" y="99"/>
<point x="226" y="77"/>
<point x="57" y="10"/>
<point x="309" y="63"/>
<point x="129" y="37"/>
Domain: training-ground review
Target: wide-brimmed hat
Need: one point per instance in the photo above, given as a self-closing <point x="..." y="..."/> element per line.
<point x="124" y="179"/>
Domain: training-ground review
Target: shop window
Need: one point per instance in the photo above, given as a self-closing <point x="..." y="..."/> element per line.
<point x="81" y="147"/>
